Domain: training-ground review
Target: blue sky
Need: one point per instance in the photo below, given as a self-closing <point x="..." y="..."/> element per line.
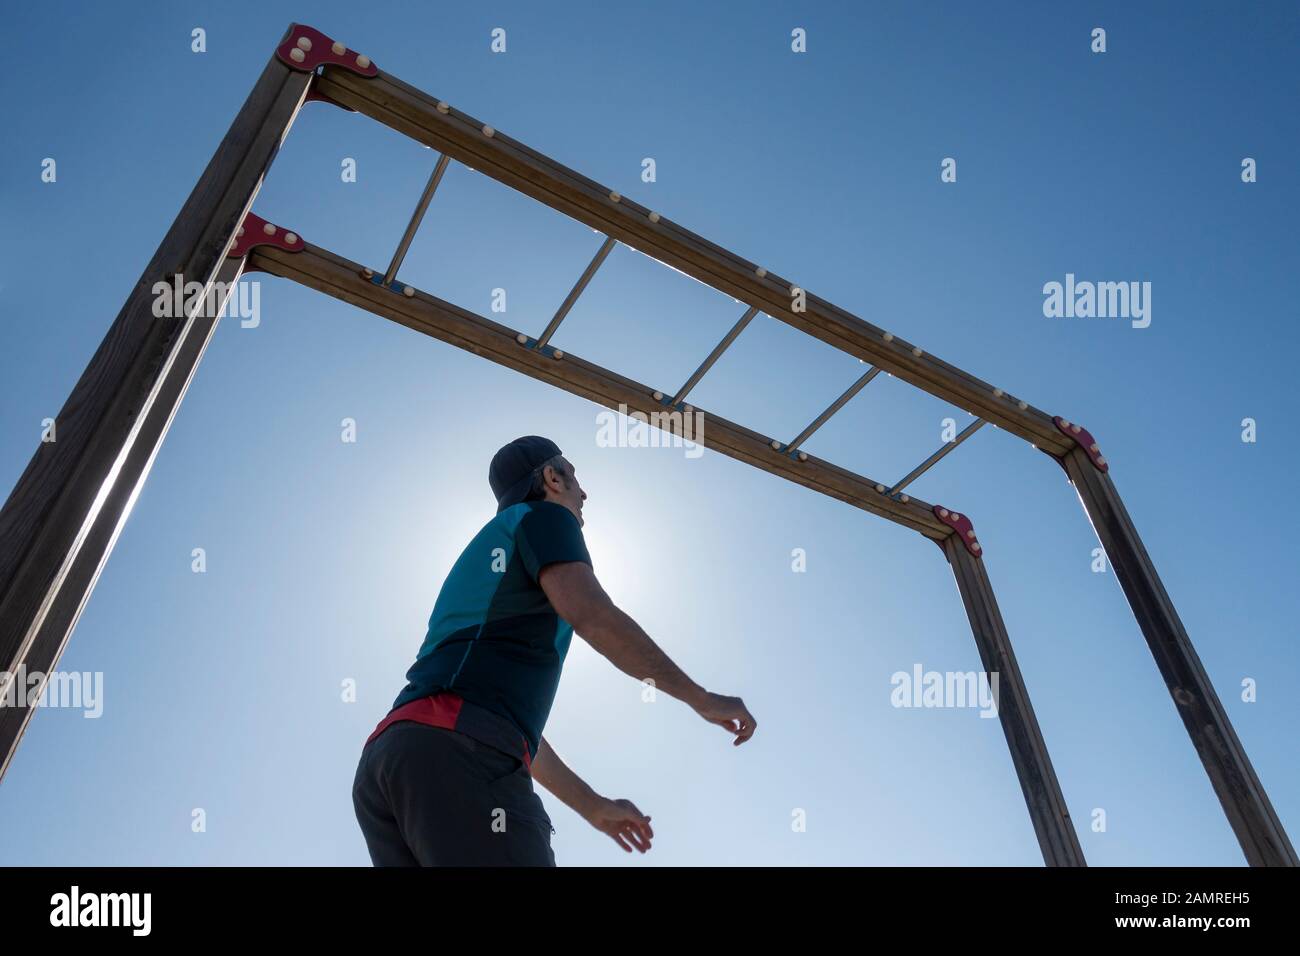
<point x="222" y="690"/>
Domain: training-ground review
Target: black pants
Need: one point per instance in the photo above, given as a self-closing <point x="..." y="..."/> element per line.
<point x="426" y="796"/>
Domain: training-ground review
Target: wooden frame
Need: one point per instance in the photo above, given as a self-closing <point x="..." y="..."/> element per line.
<point x="59" y="523"/>
<point x="62" y="518"/>
<point x="326" y="272"/>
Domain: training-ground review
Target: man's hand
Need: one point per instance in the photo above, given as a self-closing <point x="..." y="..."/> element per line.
<point x="730" y="713"/>
<point x="622" y="822"/>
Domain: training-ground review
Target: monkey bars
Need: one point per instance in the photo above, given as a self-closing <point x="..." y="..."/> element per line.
<point x="63" y="516"/>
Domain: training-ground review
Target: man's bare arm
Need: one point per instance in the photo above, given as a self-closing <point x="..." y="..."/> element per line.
<point x="577" y="596"/>
<point x="556" y="776"/>
<point x="620" y="820"/>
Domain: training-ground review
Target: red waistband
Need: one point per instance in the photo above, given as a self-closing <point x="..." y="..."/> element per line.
<point x="445" y="710"/>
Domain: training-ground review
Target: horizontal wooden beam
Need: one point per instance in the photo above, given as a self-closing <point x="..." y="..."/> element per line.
<point x="326" y="272"/>
<point x="416" y="114"/>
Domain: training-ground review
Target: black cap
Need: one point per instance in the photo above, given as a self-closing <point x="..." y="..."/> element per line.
<point x="511" y="471"/>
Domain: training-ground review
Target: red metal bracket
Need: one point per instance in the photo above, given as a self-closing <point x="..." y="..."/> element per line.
<point x="307" y="48"/>
<point x="961" y="524"/>
<point x="1085" y="441"/>
<point x="256" y="231"/>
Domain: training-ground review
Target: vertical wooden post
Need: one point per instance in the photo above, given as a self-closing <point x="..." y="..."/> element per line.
<point x="63" y="516"/>
<point x="1043" y="797"/>
<point x="1244" y="800"/>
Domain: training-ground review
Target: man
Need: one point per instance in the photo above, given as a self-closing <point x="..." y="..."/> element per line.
<point x="447" y="777"/>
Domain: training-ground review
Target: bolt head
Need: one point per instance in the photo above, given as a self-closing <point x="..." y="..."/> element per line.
<point x="1022" y="405"/>
<point x="889" y="336"/>
<point x="443" y="107"/>
<point x="297" y="55"/>
<point x="521" y="338"/>
<point x="615" y="197"/>
<point x="761" y="272"/>
<point x="239" y="232"/>
<point x="338" y="48"/>
<point x="290" y="238"/>
<point x="943" y="512"/>
<point x="269" y="229"/>
<point x="880" y="488"/>
<point x="904" y="499"/>
<point x="971" y="533"/>
<point x="917" y="351"/>
<point x="408" y="291"/>
<point x="998" y="392"/>
<point x="1093" y="447"/>
<point x="488" y="131"/>
<point x="304" y="43"/>
<point x="654" y="217"/>
<point x="363" y="61"/>
<point x="955" y="516"/>
<point x="1101" y="459"/>
<point x="803" y="456"/>
<point x="558" y="354"/>
<point x="975" y="546"/>
<point x="775" y="444"/>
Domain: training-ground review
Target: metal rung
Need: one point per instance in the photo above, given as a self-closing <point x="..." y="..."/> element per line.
<point x="715" y="354"/>
<point x="554" y="324"/>
<point x="824" y="417"/>
<point x="420" y="209"/>
<point x="926" y="465"/>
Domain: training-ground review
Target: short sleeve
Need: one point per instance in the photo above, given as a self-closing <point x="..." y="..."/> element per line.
<point x="549" y="534"/>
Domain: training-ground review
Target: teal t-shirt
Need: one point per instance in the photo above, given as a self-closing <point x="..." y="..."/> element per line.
<point x="493" y="637"/>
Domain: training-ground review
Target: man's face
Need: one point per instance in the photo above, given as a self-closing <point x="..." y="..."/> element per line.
<point x="565" y="490"/>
